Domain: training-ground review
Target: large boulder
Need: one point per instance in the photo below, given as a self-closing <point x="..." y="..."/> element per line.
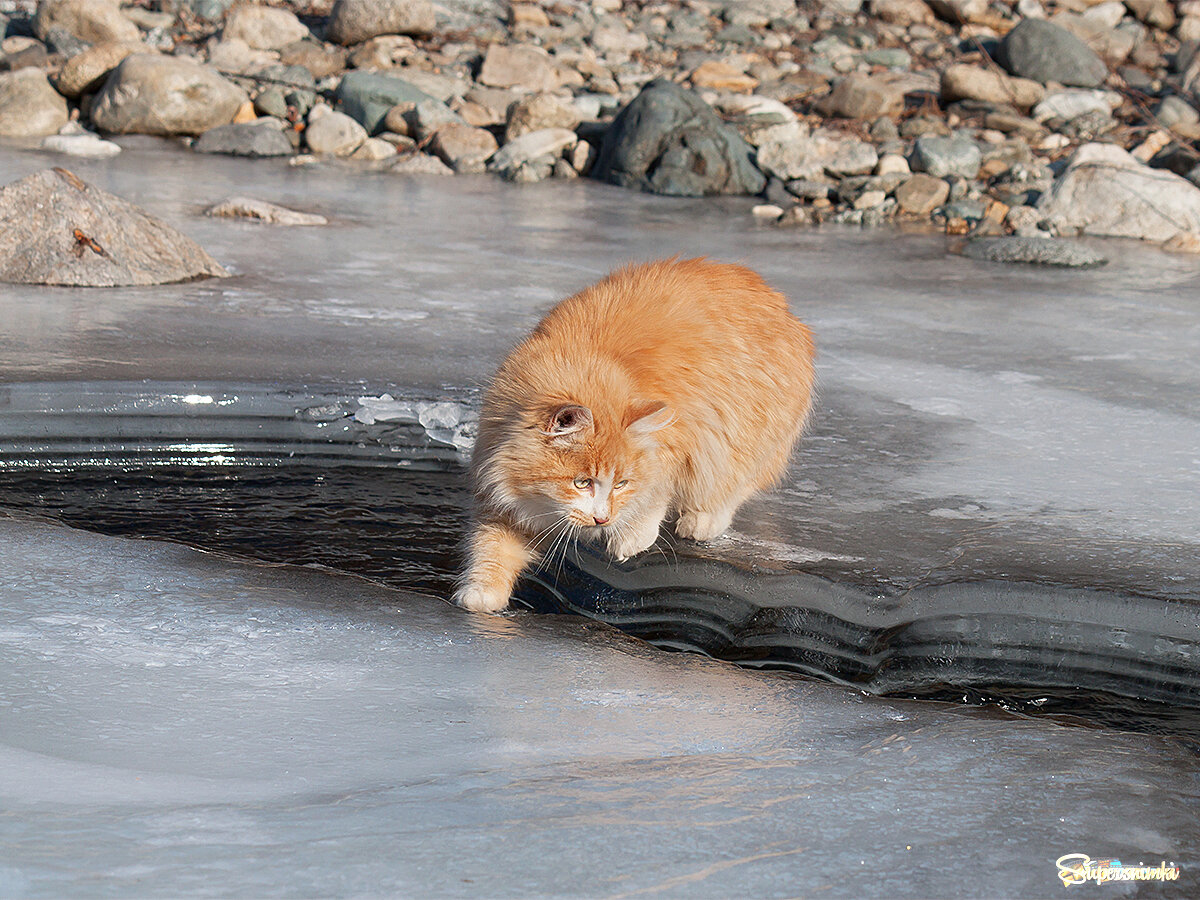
<point x="355" y="21"/>
<point x="165" y="95"/>
<point x="59" y="230"/>
<point x="1106" y="191"/>
<point x="669" y="141"/>
<point x="93" y="21"/>
<point x="367" y="96"/>
<point x="29" y="107"/>
<point x="1045" y="52"/>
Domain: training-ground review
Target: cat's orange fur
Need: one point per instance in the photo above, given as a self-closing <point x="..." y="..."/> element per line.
<point x="671" y="389"/>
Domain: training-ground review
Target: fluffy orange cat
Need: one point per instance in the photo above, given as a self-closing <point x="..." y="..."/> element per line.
<point x="674" y="389"/>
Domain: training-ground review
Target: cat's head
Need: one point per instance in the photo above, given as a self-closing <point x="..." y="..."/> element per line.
<point x="573" y="464"/>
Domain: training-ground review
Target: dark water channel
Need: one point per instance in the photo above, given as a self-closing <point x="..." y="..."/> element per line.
<point x="401" y="526"/>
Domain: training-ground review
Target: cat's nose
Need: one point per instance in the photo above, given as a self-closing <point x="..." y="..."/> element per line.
<point x="600" y="520"/>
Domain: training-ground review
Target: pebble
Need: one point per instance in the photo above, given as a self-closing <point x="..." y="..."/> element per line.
<point x="264" y="27"/>
<point x="334" y="134"/>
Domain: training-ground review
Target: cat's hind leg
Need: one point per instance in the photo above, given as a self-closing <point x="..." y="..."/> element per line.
<point x="496" y="556"/>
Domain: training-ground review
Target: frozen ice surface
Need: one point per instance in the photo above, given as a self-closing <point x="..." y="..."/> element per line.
<point x="178" y="724"/>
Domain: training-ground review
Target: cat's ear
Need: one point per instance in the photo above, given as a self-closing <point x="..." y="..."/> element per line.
<point x="648" y="417"/>
<point x="566" y="424"/>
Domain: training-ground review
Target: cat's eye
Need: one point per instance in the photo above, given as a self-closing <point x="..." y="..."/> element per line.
<point x="583" y="483"/>
<point x="620" y="484"/>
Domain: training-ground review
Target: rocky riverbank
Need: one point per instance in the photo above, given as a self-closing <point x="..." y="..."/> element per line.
<point x="1018" y="117"/>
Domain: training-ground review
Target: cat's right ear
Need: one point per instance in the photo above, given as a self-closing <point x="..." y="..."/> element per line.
<point x="650" y="417"/>
<point x="566" y="424"/>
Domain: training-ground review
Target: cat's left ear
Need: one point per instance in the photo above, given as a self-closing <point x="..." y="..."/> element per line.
<point x="566" y="424"/>
<point x="649" y="416"/>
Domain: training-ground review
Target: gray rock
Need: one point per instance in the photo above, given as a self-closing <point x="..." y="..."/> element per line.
<point x="1034" y="250"/>
<point x="943" y="156"/>
<point x="419" y="164"/>
<point x="791" y="152"/>
<point x="367" y="96"/>
<point x="59" y="230"/>
<point x="264" y="27"/>
<point x="29" y="107"/>
<point x="320" y="60"/>
<point x="354" y="21"/>
<point x="93" y="21"/>
<point x="164" y="95"/>
<point x="1044" y="52"/>
<point x="208" y="10"/>
<point x="245" y="139"/>
<point x="1106" y="191"/>
<point x="334" y="134"/>
<point x="428" y="116"/>
<point x="1072" y="103"/>
<point x="669" y="141"/>
<point x="271" y="102"/>
<point x="262" y="211"/>
<point x="1173" y="110"/>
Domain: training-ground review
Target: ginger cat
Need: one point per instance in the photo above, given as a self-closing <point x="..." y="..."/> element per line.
<point x="674" y="389"/>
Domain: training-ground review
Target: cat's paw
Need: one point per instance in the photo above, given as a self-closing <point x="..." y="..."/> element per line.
<point x="701" y="525"/>
<point x="627" y="545"/>
<point x="478" y="598"/>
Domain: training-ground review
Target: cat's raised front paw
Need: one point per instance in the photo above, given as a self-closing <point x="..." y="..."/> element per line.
<point x="632" y="544"/>
<point x="479" y="599"/>
<point x="700" y="525"/>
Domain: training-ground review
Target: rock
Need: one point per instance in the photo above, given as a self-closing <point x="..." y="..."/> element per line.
<point x="29" y="106"/>
<point x="85" y="73"/>
<point x="960" y="11"/>
<point x="921" y="194"/>
<point x="529" y="150"/>
<point x="354" y="21"/>
<point x="382" y="52"/>
<point x="865" y="97"/>
<point x="1155" y="13"/>
<point x="164" y="95"/>
<point x="669" y="141"/>
<point x="262" y="211"/>
<point x="1034" y="250"/>
<point x="367" y="96"/>
<point x="1105" y="191"/>
<point x="373" y="150"/>
<point x="464" y="148"/>
<point x="1045" y="52"/>
<point x="1069" y="104"/>
<point x="795" y="153"/>
<point x="235" y="57"/>
<point x="264" y="27"/>
<point x="334" y="134"/>
<point x="721" y="76"/>
<point x="320" y="60"/>
<point x="518" y="66"/>
<point x="87" y="145"/>
<point x="902" y="12"/>
<point x="892" y="164"/>
<point x="964" y="82"/>
<point x="93" y="21"/>
<point x="1173" y="110"/>
<point x="427" y="117"/>
<point x="59" y="230"/>
<point x="260" y="138"/>
<point x="535" y="112"/>
<point x="27" y="53"/>
<point x="419" y="164"/>
<point x="942" y="156"/>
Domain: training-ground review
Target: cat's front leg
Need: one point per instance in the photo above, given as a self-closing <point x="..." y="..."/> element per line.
<point x="630" y="537"/>
<point x="497" y="554"/>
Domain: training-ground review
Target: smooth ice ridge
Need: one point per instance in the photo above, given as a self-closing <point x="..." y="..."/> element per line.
<point x="180" y="724"/>
<point x="992" y="636"/>
<point x="114" y="424"/>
